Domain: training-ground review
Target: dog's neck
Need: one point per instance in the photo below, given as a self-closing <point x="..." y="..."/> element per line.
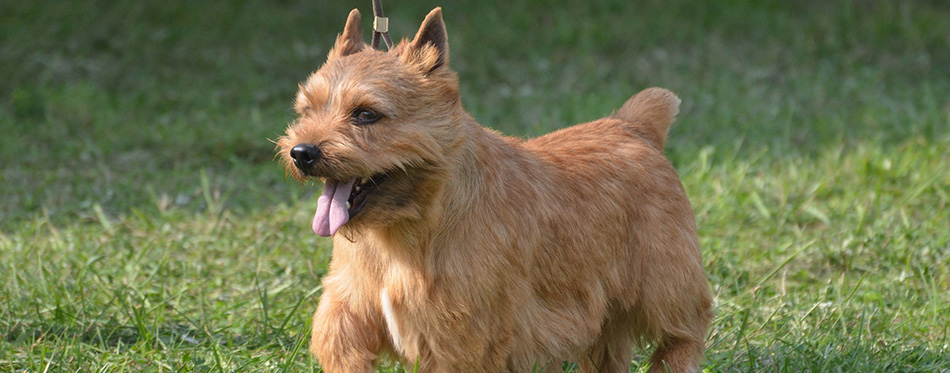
<point x="453" y="197"/>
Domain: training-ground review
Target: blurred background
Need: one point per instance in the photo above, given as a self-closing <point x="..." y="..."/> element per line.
<point x="144" y="223"/>
<point x="109" y="102"/>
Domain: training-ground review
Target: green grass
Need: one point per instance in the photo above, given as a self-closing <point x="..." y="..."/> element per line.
<point x="145" y="226"/>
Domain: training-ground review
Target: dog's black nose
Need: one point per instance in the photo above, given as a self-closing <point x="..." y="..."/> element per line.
<point x="304" y="156"/>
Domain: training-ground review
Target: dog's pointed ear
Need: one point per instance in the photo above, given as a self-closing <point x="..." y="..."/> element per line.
<point x="351" y="40"/>
<point x="430" y="48"/>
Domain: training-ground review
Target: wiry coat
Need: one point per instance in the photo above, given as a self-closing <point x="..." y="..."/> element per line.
<point x="485" y="253"/>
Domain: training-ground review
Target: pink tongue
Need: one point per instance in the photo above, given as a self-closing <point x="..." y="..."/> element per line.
<point x="331" y="207"/>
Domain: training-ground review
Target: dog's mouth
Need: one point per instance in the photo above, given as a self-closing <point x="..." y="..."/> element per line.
<point x="342" y="200"/>
<point x="361" y="191"/>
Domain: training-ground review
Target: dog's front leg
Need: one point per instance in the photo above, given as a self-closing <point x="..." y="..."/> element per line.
<point x="470" y="338"/>
<point x="344" y="339"/>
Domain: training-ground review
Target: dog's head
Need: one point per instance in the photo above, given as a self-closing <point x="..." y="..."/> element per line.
<point x="374" y="125"/>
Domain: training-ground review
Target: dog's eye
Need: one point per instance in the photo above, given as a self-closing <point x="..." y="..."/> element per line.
<point x="365" y="116"/>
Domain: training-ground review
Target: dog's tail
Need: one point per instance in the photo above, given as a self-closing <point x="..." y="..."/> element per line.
<point x="650" y="113"/>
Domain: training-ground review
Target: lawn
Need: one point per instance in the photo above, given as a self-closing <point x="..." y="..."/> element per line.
<point x="144" y="224"/>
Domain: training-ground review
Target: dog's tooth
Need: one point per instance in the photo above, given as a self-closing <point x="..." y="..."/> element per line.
<point x="357" y="188"/>
<point x="364" y="180"/>
<point x="347" y="205"/>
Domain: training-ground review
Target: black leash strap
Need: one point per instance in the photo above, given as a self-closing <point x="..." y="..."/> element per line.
<point x="380" y="26"/>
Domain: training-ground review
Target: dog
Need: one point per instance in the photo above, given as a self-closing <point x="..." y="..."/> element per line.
<point x="456" y="249"/>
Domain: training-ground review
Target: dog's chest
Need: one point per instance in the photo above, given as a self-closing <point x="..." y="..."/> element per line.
<point x="390" y="316"/>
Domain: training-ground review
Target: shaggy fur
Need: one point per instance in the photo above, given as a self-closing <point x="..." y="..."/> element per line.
<point x="485" y="253"/>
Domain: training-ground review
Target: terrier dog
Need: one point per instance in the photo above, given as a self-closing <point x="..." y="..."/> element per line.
<point x="456" y="249"/>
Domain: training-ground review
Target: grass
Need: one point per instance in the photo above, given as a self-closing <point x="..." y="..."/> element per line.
<point x="144" y="225"/>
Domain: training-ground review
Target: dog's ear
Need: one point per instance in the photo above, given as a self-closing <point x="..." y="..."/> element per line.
<point x="430" y="48"/>
<point x="351" y="40"/>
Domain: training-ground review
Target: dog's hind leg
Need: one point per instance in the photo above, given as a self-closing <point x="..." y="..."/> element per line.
<point x="677" y="355"/>
<point x="612" y="357"/>
<point x="613" y="350"/>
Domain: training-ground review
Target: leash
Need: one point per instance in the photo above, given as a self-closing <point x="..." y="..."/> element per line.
<point x="380" y="26"/>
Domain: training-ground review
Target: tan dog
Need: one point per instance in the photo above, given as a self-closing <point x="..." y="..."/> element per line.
<point x="459" y="250"/>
